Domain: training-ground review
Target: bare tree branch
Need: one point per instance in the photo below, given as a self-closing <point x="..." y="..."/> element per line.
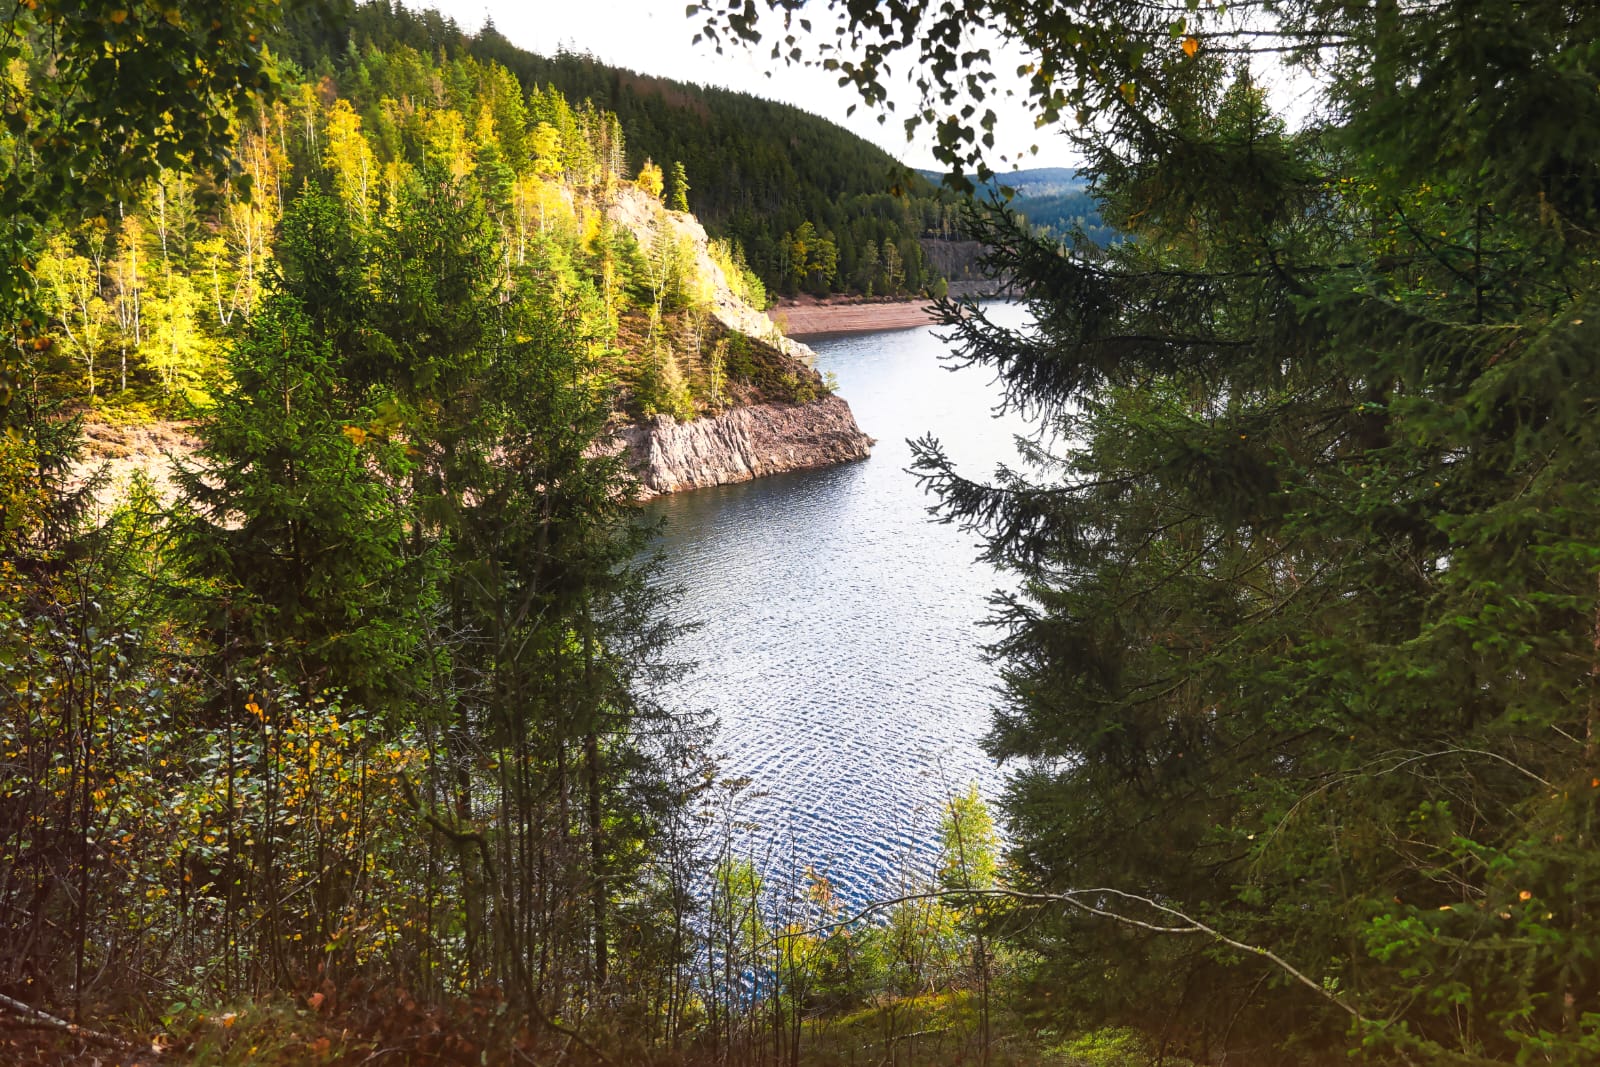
<point x="36" y="1017"/>
<point x="1076" y="898"/>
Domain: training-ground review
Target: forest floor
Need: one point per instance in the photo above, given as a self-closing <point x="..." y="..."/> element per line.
<point x="933" y="1030"/>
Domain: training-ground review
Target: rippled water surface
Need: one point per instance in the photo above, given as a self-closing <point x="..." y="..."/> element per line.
<point x="839" y="626"/>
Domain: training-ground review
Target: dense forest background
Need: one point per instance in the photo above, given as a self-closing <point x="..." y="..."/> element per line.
<point x="812" y="206"/>
<point x="1053" y="202"/>
<point x="141" y="299"/>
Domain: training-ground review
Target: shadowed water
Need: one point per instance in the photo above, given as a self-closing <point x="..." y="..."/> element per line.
<point x="839" y="640"/>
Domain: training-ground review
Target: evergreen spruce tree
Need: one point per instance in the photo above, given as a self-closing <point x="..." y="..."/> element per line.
<point x="544" y="792"/>
<point x="288" y="523"/>
<point x="678" y="199"/>
<point x="570" y="629"/>
<point x="1305" y="645"/>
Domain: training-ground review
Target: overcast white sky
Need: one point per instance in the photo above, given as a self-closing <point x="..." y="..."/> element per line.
<point x="655" y="37"/>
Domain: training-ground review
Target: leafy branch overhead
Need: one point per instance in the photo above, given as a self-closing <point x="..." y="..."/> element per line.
<point x="122" y="90"/>
<point x="1083" y="59"/>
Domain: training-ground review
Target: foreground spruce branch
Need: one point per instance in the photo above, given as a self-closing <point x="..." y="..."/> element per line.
<point x="1307" y="622"/>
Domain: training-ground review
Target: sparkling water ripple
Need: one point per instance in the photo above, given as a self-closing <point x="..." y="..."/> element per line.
<point x="839" y="626"/>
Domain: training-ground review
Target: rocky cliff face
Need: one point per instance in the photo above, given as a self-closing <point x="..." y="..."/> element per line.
<point x="742" y="444"/>
<point x="666" y="456"/>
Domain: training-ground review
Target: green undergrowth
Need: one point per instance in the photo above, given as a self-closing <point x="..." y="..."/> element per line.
<point x="946" y="1030"/>
<point x="932" y="1030"/>
<point x="942" y="1029"/>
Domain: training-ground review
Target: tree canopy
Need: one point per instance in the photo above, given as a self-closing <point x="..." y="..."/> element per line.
<point x="96" y="98"/>
<point x="1310" y="590"/>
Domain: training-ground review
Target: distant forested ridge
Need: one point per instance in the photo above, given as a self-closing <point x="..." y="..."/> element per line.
<point x="813" y="207"/>
<point x="1054" y="201"/>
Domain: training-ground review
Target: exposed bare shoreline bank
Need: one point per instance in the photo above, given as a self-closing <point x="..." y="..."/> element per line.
<point x="806" y="316"/>
<point x="741" y="444"/>
<point x="666" y="456"/>
<point x="813" y="319"/>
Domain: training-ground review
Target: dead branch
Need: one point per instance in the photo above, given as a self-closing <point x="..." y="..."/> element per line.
<point x="1078" y="898"/>
<point x="33" y="1016"/>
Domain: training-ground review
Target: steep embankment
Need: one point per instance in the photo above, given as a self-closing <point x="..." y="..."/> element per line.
<point x="742" y="442"/>
<point x="647" y="219"/>
<point x="120" y="455"/>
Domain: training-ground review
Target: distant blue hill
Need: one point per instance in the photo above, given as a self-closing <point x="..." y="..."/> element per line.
<point x="1052" y="199"/>
<point x="1040" y="181"/>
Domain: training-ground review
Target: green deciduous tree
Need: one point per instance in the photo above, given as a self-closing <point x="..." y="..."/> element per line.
<point x="71" y="295"/>
<point x="650" y="180"/>
<point x="98" y="98"/>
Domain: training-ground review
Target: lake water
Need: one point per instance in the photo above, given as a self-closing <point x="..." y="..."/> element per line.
<point x="840" y="637"/>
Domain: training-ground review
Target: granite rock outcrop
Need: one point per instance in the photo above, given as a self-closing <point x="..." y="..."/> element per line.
<point x="741" y="444"/>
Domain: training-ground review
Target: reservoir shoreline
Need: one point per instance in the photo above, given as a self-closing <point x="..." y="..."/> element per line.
<point x="809" y="318"/>
<point x="741" y="444"/>
<point x="815" y="319"/>
<point x="838" y="629"/>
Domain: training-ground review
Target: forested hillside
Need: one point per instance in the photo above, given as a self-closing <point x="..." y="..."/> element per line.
<point x="142" y="301"/>
<point x="365" y="714"/>
<point x="812" y="206"/>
